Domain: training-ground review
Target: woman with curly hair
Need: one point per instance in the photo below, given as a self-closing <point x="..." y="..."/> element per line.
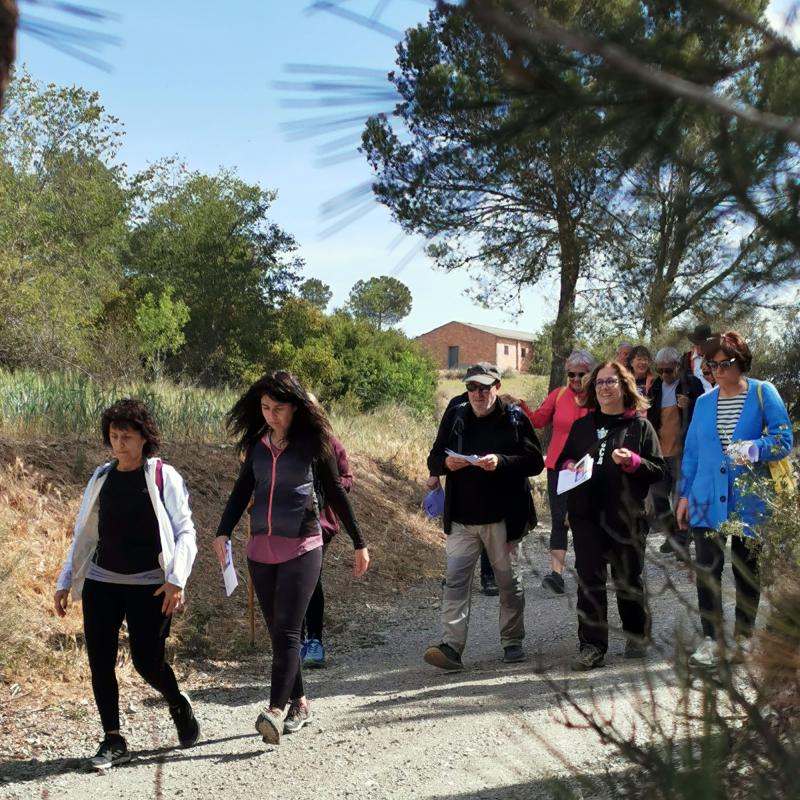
<point x="606" y="511"/>
<point x="286" y="441"/>
<point x="130" y="558"/>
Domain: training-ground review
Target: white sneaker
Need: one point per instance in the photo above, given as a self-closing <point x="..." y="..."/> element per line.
<point x="742" y="650"/>
<point x="707" y="654"/>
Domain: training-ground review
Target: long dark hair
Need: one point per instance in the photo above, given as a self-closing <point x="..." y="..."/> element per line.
<point x="310" y="425"/>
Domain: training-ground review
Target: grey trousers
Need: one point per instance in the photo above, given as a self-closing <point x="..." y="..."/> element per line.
<point x="463" y="550"/>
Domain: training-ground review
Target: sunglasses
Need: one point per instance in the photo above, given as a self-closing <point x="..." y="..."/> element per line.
<point x="575" y="374"/>
<point x="715" y="365"/>
<point x="665" y="370"/>
<point x="609" y="382"/>
<point x="478" y="387"/>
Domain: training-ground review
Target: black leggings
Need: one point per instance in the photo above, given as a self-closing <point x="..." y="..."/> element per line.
<point x="710" y="558"/>
<point x="105" y="605"/>
<point x="597" y="548"/>
<point x="283" y="592"/>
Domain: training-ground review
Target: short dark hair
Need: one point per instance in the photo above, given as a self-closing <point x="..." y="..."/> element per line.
<point x="733" y="345"/>
<point x="133" y="415"/>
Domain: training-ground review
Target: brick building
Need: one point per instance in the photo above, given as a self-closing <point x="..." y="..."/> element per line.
<point x="458" y="344"/>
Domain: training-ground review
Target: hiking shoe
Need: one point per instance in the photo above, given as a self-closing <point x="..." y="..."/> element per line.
<point x="513" y="653"/>
<point x="270" y="725"/>
<point x="706" y="656"/>
<point x="315" y="654"/>
<point x="303" y="650"/>
<point x="489" y="587"/>
<point x="443" y="656"/>
<point x="113" y="750"/>
<point x="554" y="582"/>
<point x="185" y="721"/>
<point x="741" y="650"/>
<point x="635" y="647"/>
<point x="589" y="657"/>
<point x="298" y="716"/>
<point x="666" y="546"/>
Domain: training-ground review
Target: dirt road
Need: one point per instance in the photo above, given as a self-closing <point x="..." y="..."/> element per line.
<point x="386" y="724"/>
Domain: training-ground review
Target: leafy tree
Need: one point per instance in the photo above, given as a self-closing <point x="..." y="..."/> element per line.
<point x="161" y="322"/>
<point x="316" y="292"/>
<point x="209" y="237"/>
<point x="484" y="175"/>
<point x="64" y="207"/>
<point x="382" y="301"/>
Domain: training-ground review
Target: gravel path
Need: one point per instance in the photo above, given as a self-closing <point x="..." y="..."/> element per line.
<point x="386" y="724"/>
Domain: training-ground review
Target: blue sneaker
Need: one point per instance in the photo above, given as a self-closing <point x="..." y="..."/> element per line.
<point x="303" y="650"/>
<point x="315" y="654"/>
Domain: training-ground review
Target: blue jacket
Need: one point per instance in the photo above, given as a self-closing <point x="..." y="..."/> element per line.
<point x="709" y="477"/>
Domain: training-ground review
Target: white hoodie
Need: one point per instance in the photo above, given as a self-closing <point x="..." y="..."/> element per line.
<point x="175" y="526"/>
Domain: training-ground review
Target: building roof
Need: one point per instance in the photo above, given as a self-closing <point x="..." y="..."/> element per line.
<point x="504" y="333"/>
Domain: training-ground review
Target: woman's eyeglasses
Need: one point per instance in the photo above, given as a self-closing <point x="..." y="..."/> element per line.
<point x="715" y="365"/>
<point x="572" y="375"/>
<point x="609" y="382"/>
<point x="478" y="387"/>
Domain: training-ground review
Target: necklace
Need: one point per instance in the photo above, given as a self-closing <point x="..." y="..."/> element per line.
<point x="280" y="443"/>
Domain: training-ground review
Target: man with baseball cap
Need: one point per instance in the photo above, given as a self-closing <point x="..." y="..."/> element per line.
<point x="692" y="361"/>
<point x="486" y="449"/>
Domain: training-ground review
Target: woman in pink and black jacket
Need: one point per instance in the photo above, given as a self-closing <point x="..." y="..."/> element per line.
<point x="287" y="442"/>
<point x="561" y="408"/>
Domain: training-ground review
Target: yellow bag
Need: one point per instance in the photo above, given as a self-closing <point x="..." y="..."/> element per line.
<point x="781" y="472"/>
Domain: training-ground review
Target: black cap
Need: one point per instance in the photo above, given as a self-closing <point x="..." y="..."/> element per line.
<point x="700" y="334"/>
<point x="482" y="372"/>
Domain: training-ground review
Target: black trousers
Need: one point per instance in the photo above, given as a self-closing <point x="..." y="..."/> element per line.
<point x="558" y="512"/>
<point x="105" y="606"/>
<point x="283" y="592"/>
<point x="315" y="615"/>
<point x="596" y="549"/>
<point x="663" y="494"/>
<point x="710" y="558"/>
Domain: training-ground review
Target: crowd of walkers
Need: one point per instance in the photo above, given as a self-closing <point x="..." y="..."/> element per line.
<point x="636" y="444"/>
<point x="668" y="441"/>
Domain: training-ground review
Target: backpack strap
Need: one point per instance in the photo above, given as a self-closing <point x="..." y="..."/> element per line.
<point x="458" y="425"/>
<point x="160" y="478"/>
<point x="561" y="393"/>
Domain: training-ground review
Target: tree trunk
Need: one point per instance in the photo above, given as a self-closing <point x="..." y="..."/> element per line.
<point x="569" y="246"/>
<point x="8" y="47"/>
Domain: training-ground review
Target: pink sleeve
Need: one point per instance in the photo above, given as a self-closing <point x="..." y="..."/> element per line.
<point x="636" y="459"/>
<point x="544" y="414"/>
<point x="343" y="464"/>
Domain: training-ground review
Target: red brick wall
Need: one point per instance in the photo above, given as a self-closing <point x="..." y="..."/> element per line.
<point x="473" y="345"/>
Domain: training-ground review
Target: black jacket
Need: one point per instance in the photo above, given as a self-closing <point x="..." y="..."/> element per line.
<point x="689" y="385"/>
<point x="474" y="496"/>
<point x="613" y="497"/>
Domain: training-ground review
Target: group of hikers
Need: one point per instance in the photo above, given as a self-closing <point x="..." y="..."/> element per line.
<point x="663" y="433"/>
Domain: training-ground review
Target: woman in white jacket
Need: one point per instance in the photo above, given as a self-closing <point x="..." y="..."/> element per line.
<point x="130" y="558"/>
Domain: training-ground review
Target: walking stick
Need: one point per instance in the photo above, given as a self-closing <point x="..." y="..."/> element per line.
<point x="251" y="604"/>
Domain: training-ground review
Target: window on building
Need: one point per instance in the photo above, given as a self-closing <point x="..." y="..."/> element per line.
<point x="524" y="351"/>
<point x="505" y="349"/>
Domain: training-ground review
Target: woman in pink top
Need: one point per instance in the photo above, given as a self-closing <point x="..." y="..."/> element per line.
<point x="560" y="409"/>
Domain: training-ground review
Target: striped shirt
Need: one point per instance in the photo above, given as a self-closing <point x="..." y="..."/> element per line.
<point x="729" y="409"/>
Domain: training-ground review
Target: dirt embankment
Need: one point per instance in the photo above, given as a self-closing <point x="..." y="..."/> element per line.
<point x="40" y="488"/>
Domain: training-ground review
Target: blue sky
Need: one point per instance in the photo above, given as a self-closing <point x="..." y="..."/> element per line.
<point x="197" y="80"/>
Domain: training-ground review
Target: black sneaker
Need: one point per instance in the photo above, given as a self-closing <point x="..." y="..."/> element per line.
<point x="554" y="582"/>
<point x="513" y="653"/>
<point x="443" y="656"/>
<point x="113" y="750"/>
<point x="635" y="647"/>
<point x="589" y="657"/>
<point x="666" y="546"/>
<point x="489" y="587"/>
<point x="297" y="717"/>
<point x="185" y="722"/>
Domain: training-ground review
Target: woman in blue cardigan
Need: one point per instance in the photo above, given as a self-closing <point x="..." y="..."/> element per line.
<point x="735" y="428"/>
